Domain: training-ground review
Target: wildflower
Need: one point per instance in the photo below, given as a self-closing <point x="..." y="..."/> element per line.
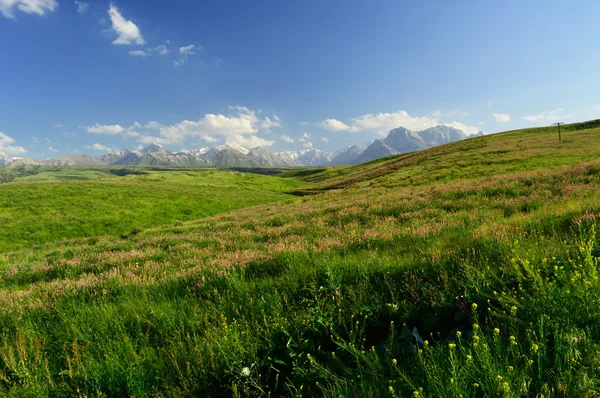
<point x="426" y="343"/>
<point x="496" y="331"/>
<point x="451" y="346"/>
<point x="246" y="371"/>
<point x="535" y="347"/>
<point x="506" y="386"/>
<point x="333" y="354"/>
<point x="416" y="394"/>
<point x="499" y="377"/>
<point x="476" y="339"/>
<point x="474" y="307"/>
<point x="484" y="346"/>
<point x="458" y="334"/>
<point x="475" y="345"/>
<point x="451" y="380"/>
<point x="476" y="385"/>
<point x="475" y="326"/>
<point x="372" y="348"/>
<point x="420" y="351"/>
<point x="513" y="310"/>
<point x="391" y="389"/>
<point x="530" y="362"/>
<point x="469" y="358"/>
<point x="394" y="362"/>
<point x="513" y="340"/>
<point x="510" y="368"/>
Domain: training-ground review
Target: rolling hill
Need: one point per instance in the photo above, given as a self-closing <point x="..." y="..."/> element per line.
<point x="466" y="269"/>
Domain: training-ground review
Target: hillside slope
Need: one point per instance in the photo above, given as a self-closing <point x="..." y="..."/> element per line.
<point x="469" y="269"/>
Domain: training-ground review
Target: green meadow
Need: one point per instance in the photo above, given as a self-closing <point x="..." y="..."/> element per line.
<point x="470" y="269"/>
<point x="65" y="203"/>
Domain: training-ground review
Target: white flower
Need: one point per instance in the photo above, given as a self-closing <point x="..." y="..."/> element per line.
<point x="246" y="371"/>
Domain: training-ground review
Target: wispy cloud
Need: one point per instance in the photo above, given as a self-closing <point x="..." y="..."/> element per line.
<point x="82" y="7"/>
<point x="39" y="7"/>
<point x="99" y="147"/>
<point x="7" y="148"/>
<point x="52" y="149"/>
<point x="287" y="138"/>
<point x="501" y="117"/>
<point x="185" y="52"/>
<point x="551" y="116"/>
<point x="127" y="31"/>
<point x="139" y="53"/>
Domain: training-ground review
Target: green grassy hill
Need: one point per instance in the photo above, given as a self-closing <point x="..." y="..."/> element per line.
<point x="469" y="269"/>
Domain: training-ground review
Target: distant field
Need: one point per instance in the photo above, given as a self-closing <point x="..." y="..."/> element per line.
<point x="71" y="203"/>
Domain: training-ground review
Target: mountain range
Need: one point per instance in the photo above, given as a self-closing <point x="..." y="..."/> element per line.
<point x="399" y="140"/>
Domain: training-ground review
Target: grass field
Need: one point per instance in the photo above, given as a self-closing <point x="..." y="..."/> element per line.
<point x="64" y="203"/>
<point x="465" y="270"/>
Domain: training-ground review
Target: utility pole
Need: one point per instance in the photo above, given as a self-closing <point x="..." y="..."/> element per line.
<point x="559" y="124"/>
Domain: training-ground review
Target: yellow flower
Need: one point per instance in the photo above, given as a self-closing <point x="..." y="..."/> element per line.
<point x="535" y="347"/>
<point x="506" y="386"/>
<point x="510" y="368"/>
<point x="476" y="385"/>
<point x="458" y="334"/>
<point x="476" y="338"/>
<point x="496" y="331"/>
<point x="415" y="394"/>
<point x="451" y="380"/>
<point x="394" y="362"/>
<point x="469" y="358"/>
<point x="474" y="306"/>
<point x="420" y="351"/>
<point x="426" y="343"/>
<point x="499" y="377"/>
<point x="391" y="389"/>
<point x="513" y="340"/>
<point x="475" y="326"/>
<point x="451" y="345"/>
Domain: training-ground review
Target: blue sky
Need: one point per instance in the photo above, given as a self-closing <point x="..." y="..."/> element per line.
<point x="90" y="76"/>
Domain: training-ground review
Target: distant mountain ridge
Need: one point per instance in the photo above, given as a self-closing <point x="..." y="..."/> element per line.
<point x="399" y="140"/>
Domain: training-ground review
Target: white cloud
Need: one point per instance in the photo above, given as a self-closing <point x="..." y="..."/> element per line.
<point x="115" y="129"/>
<point x="241" y="127"/>
<point x="308" y="145"/>
<point x="82" y="7"/>
<point x="48" y="140"/>
<point x="333" y="125"/>
<point x="99" y="147"/>
<point x="551" y="116"/>
<point x="35" y="140"/>
<point x="268" y="124"/>
<point x="39" y="7"/>
<point x="105" y="129"/>
<point x="287" y="139"/>
<point x="465" y="128"/>
<point x="501" y="117"/>
<point x="382" y="123"/>
<point x="305" y="137"/>
<point x="5" y="146"/>
<point x="59" y="126"/>
<point x="139" y="53"/>
<point x="250" y="141"/>
<point x="127" y="31"/>
<point x="325" y="139"/>
<point x="187" y="50"/>
<point x="162" y="49"/>
<point x="52" y="149"/>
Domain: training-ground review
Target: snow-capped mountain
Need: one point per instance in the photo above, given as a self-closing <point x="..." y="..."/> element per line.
<point x="399" y="140"/>
<point x="402" y="140"/>
<point x="349" y="155"/>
